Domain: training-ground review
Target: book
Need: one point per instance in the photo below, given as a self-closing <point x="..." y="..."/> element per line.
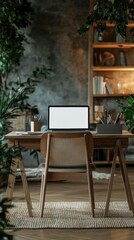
<point x="108" y="88"/>
<point x="98" y="85"/>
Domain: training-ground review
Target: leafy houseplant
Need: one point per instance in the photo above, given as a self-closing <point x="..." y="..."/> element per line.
<point x="15" y="17"/>
<point x="5" y="205"/>
<point x="14" y="98"/>
<point x="127" y="109"/>
<point x="116" y="11"/>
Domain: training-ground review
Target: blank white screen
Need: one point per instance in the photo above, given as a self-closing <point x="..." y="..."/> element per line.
<point x="68" y="117"/>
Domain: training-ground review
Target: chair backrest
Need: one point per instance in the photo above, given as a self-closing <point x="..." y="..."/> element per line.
<point x="67" y="149"/>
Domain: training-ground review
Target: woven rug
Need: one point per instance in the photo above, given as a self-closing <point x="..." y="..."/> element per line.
<point x="36" y="173"/>
<point x="71" y="215"/>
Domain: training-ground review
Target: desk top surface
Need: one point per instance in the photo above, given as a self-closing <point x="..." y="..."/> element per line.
<point x="25" y="135"/>
<point x="37" y="135"/>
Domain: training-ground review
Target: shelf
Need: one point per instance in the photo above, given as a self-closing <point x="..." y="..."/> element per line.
<point x="113" y="68"/>
<point x="112" y="45"/>
<point x="109" y="95"/>
<point x="108" y="24"/>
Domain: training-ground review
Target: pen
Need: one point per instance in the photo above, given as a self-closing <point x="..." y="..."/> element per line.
<point x="105" y="117"/>
<point x="117" y="118"/>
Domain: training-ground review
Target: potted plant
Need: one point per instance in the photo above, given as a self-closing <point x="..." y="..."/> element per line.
<point x="15" y="17"/>
<point x="127" y="110"/>
<point x="5" y="205"/>
<point x="11" y="100"/>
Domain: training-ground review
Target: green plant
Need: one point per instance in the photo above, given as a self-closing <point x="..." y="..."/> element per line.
<point x="127" y="109"/>
<point x="5" y="205"/>
<point x="14" y="98"/>
<point x="15" y="16"/>
<point x="116" y="11"/>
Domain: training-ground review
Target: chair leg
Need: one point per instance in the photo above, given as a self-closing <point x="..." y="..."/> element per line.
<point x="44" y="177"/>
<point x="41" y="189"/>
<point x="90" y="189"/>
<point x="43" y="192"/>
<point x="25" y="187"/>
<point x="109" y="192"/>
<point x="89" y="176"/>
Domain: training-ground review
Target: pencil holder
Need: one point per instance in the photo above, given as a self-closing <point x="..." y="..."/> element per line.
<point x="109" y="128"/>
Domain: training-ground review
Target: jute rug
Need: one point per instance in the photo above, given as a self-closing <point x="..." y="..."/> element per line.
<point x="36" y="173"/>
<point x="72" y="215"/>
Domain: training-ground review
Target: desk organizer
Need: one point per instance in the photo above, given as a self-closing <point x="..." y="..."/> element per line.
<point x="109" y="128"/>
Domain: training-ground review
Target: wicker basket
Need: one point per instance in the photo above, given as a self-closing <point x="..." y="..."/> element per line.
<point x="19" y="122"/>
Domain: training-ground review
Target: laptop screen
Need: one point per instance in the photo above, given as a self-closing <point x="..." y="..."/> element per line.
<point x="68" y="117"/>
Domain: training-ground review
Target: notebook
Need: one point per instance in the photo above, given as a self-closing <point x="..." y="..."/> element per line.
<point x="68" y="117"/>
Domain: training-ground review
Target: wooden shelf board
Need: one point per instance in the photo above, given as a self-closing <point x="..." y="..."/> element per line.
<point x="108" y="24"/>
<point x="109" y="95"/>
<point x="113" y="68"/>
<point x="112" y="45"/>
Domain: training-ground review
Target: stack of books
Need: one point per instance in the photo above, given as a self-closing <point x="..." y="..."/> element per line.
<point x="101" y="86"/>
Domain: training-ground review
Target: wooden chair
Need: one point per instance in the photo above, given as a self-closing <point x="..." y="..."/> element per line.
<point x="67" y="152"/>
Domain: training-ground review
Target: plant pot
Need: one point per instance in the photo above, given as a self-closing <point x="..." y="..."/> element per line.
<point x="109" y="128"/>
<point x="37" y="126"/>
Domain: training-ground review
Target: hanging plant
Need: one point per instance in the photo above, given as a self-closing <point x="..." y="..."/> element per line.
<point x="116" y="11"/>
<point x="15" y="17"/>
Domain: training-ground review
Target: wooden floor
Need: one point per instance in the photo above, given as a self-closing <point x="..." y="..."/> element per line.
<point x="76" y="191"/>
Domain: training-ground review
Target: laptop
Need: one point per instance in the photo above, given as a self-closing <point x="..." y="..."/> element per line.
<point x="68" y="118"/>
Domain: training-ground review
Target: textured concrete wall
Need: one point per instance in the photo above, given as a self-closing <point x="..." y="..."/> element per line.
<point x="54" y="41"/>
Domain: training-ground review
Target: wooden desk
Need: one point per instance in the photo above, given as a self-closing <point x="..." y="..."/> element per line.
<point x="103" y="141"/>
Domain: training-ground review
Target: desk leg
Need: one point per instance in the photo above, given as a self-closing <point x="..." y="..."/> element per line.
<point x="11" y="183"/>
<point x="111" y="180"/>
<point x="25" y="187"/>
<point x="119" y="152"/>
<point x="11" y="179"/>
<point x="126" y="179"/>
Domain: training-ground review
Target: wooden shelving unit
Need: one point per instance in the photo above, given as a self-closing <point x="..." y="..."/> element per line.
<point x="118" y="72"/>
<point x="114" y="72"/>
